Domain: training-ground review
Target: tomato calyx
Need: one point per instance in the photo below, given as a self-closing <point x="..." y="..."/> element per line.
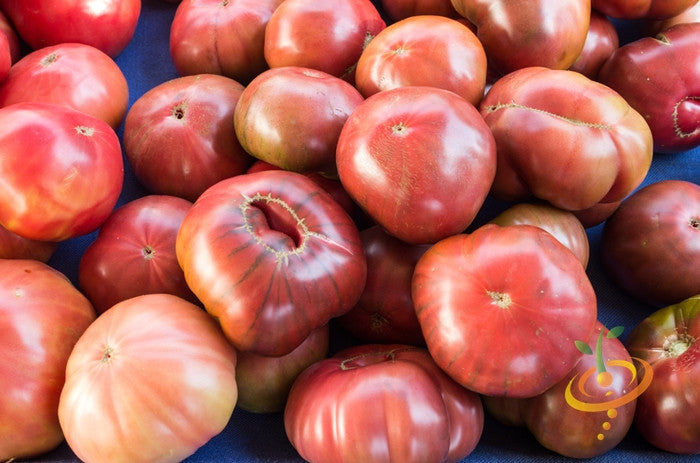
<point x="107" y="354"/>
<point x="502" y="300"/>
<point x="49" y="59"/>
<point x="84" y="130"/>
<point x="675" y="346"/>
<point x="148" y="252"/>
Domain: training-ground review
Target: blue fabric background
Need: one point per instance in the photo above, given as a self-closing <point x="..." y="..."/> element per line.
<point x="261" y="438"/>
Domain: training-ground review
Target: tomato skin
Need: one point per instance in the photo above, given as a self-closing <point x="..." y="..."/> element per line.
<point x="601" y="41"/>
<point x="658" y="77"/>
<point x="650" y="246"/>
<point x="13" y="246"/>
<point x="518" y="34"/>
<point x="273" y="257"/>
<point x="667" y="415"/>
<point x="225" y="38"/>
<point x="418" y="160"/>
<point x="108" y="25"/>
<point x="42" y="315"/>
<point x="397" y="10"/>
<point x="73" y="74"/>
<point x="636" y="9"/>
<point x="517" y="282"/>
<point x="70" y="152"/>
<point x="179" y="137"/>
<point x="392" y="402"/>
<point x="548" y="126"/>
<point x="158" y="376"/>
<point x="424" y="50"/>
<point x="134" y="253"/>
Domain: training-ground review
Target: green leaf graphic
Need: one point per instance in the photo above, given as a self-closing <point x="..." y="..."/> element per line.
<point x="583" y="347"/>
<point x="615" y="332"/>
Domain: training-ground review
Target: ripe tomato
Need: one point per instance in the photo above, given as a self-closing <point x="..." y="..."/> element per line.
<point x="62" y="171"/>
<point x="516" y="283"/>
<point x="424" y="50"/>
<point x="397" y="10"/>
<point x="158" y="376"/>
<point x="667" y="415"/>
<point x="108" y="25"/>
<point x="179" y="137"/>
<point x="391" y="402"/>
<point x="418" y="160"/>
<point x="134" y="253"/>
<point x="564" y="138"/>
<point x="601" y="41"/>
<point x="273" y="257"/>
<point x="635" y="9"/>
<point x="42" y="315"/>
<point x="72" y="74"/>
<point x="13" y="246"/>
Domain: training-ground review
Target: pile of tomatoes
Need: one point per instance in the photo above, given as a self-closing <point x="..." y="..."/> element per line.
<point x="387" y="223"/>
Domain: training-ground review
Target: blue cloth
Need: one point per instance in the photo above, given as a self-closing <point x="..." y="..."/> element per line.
<point x="261" y="438"/>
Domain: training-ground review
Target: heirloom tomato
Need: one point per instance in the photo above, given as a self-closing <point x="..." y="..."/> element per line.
<point x="273" y="257"/>
<point x="635" y="9"/>
<point x="601" y="41"/>
<point x="650" y="246"/>
<point x="42" y="315"/>
<point x="564" y="138"/>
<point x="179" y="137"/>
<point x="13" y="246"/>
<point x="61" y="169"/>
<point x="8" y="30"/>
<point x="418" y="160"/>
<point x="381" y="403"/>
<point x="72" y="74"/>
<point x="397" y="10"/>
<point x="667" y="414"/>
<point x="152" y="379"/>
<point x="501" y="307"/>
<point x="105" y="24"/>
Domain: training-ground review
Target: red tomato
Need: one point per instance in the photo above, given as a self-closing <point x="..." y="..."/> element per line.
<point x="264" y="382"/>
<point x="397" y="10"/>
<point x="563" y="225"/>
<point x="391" y="402"/>
<point x="8" y="30"/>
<point x="5" y="57"/>
<point x="424" y="50"/>
<point x="524" y="33"/>
<point x="13" y="246"/>
<point x="221" y="37"/>
<point x="385" y="314"/>
<point x="108" y="25"/>
<point x="564" y="138"/>
<point x="72" y="74"/>
<point x="134" y="253"/>
<point x="273" y="257"/>
<point x="42" y="315"/>
<point x="291" y="117"/>
<point x="516" y="283"/>
<point x="179" y="137"/>
<point x="650" y="246"/>
<point x="667" y="415"/>
<point x="635" y="9"/>
<point x="658" y="76"/>
<point x="62" y="171"/>
<point x="328" y="36"/>
<point x="690" y="15"/>
<point x="152" y="379"/>
<point x="601" y="41"/>
<point x="419" y="161"/>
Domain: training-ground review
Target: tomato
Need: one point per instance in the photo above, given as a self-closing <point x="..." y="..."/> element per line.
<point x="108" y="25"/>
<point x="601" y="41"/>
<point x="564" y="138"/>
<point x="328" y="36"/>
<point x="134" y="253"/>
<point x="472" y="291"/>
<point x="650" y="246"/>
<point x="5" y="57"/>
<point x="264" y="382"/>
<point x="179" y="137"/>
<point x="418" y="160"/>
<point x="13" y="246"/>
<point x="524" y="33"/>
<point x="8" y="30"/>
<point x="72" y="74"/>
<point x="424" y="50"/>
<point x="690" y="15"/>
<point x="158" y="376"/>
<point x="563" y="225"/>
<point x="51" y="159"/>
<point x="635" y="9"/>
<point x="658" y="77"/>
<point x="391" y="402"/>
<point x="221" y="37"/>
<point x="596" y="214"/>
<point x="384" y="313"/>
<point x="42" y="315"/>
<point x="667" y="415"/>
<point x="273" y="257"/>
<point x="397" y="10"/>
<point x="291" y="117"/>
